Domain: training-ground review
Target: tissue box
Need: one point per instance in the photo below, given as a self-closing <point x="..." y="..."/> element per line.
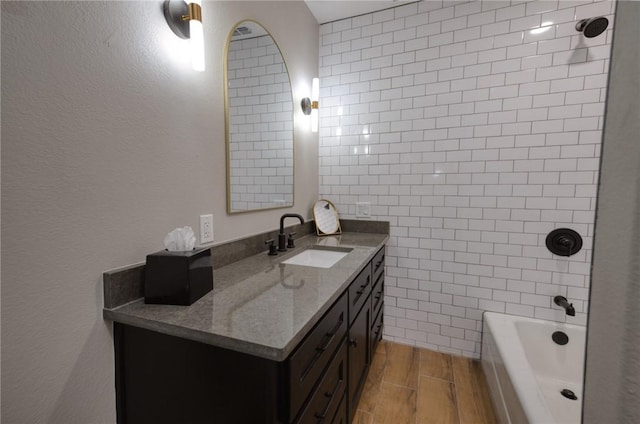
<point x="178" y="278"/>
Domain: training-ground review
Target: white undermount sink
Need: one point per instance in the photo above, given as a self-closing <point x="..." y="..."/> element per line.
<point x="318" y="258"/>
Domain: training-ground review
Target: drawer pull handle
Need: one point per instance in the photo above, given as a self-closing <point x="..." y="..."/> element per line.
<point x="362" y="287"/>
<point x="320" y="349"/>
<point x="330" y="395"/>
<point x="353" y="342"/>
<point x="331" y="335"/>
<point x="378" y="296"/>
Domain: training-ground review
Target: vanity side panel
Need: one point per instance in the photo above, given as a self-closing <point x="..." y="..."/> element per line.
<point x="166" y="379"/>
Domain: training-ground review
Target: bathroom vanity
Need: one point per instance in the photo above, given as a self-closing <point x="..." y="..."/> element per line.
<point x="272" y="343"/>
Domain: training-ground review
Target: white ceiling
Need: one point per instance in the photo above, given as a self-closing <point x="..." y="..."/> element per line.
<point x="332" y="10"/>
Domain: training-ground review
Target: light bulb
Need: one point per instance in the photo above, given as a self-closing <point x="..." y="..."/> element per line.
<point x="315" y="94"/>
<point x="315" y="89"/>
<point x="197" y="45"/>
<point x="196" y="34"/>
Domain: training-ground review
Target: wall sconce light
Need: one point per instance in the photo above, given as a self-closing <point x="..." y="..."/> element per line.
<point x="310" y="105"/>
<point x="185" y="20"/>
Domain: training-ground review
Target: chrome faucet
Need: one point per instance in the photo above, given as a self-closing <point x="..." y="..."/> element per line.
<point x="563" y="302"/>
<point x="282" y="239"/>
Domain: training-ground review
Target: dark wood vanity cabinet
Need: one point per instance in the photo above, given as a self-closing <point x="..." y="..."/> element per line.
<point x="168" y="379"/>
<point x="364" y="331"/>
<point x="365" y="298"/>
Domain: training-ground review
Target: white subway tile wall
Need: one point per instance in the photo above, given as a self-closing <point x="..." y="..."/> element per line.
<point x="474" y="128"/>
<point x="261" y="125"/>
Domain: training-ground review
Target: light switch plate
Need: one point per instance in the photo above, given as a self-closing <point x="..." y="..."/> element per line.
<point x="363" y="210"/>
<point x="206" y="228"/>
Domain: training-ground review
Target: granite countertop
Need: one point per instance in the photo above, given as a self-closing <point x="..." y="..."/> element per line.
<point x="259" y="305"/>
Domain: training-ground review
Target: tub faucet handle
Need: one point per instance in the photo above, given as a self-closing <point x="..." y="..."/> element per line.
<point x="563" y="302"/>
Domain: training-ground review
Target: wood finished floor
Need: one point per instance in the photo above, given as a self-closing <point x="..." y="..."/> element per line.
<point x="408" y="385"/>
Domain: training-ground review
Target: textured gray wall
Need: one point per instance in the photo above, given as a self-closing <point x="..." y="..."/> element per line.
<point x="109" y="141"/>
<point x="612" y="380"/>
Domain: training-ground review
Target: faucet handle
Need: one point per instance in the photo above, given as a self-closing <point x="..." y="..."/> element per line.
<point x="272" y="247"/>
<point x="290" y="242"/>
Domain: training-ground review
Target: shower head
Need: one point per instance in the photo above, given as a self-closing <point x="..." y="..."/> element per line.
<point x="592" y="27"/>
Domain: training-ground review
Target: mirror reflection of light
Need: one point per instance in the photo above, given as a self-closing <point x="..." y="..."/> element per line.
<point x="365" y="131"/>
<point x="338" y="131"/>
<point x="355" y="150"/>
<point x="340" y="111"/>
<point x="302" y="90"/>
<point x="366" y="150"/>
<point x="544" y="27"/>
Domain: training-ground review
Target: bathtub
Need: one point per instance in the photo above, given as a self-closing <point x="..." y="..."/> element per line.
<point x="526" y="370"/>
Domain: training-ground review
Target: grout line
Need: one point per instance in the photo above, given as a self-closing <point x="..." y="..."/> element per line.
<point x="455" y="382"/>
<point x="382" y="344"/>
<point x="399" y="385"/>
<point x="418" y="395"/>
<point x="436" y="378"/>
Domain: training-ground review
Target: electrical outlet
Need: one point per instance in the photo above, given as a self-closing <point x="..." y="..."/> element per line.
<point x="206" y="228"/>
<point x="363" y="210"/>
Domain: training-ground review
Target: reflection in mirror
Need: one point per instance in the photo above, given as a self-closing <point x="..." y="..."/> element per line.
<point x="326" y="217"/>
<point x="259" y="122"/>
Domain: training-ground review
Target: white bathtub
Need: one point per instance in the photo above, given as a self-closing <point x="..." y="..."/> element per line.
<point x="526" y="370"/>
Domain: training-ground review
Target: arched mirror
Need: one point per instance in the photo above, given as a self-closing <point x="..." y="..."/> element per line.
<point x="259" y="122"/>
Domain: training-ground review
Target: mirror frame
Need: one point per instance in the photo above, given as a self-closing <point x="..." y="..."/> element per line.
<point x="227" y="123"/>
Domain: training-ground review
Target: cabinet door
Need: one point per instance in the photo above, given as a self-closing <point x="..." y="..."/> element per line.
<point x="359" y="345"/>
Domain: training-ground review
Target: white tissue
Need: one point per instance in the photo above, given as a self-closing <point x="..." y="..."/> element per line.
<point x="180" y="240"/>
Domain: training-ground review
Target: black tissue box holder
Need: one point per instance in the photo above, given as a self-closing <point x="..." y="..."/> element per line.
<point x="178" y="278"/>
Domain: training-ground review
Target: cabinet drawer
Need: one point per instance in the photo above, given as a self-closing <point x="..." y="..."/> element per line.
<point x="310" y="359"/>
<point x="376" y="331"/>
<point x="377" y="264"/>
<point x="377" y="295"/>
<point x="325" y="402"/>
<point x="358" y="292"/>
